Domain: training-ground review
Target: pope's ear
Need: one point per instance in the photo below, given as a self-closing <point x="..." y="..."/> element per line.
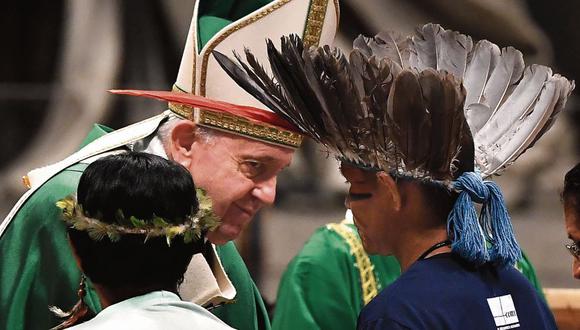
<point x="390" y="189"/>
<point x="182" y="137"/>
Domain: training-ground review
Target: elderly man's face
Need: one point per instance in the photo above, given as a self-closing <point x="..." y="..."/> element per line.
<point x="239" y="175"/>
<point x="573" y="229"/>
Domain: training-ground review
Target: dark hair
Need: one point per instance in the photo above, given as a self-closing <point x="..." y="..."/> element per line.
<point x="571" y="192"/>
<point x="144" y="186"/>
<point x="441" y="200"/>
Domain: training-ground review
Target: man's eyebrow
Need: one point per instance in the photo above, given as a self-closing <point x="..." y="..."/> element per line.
<point x="263" y="158"/>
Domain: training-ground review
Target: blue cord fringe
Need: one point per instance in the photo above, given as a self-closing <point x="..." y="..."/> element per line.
<point x="471" y="234"/>
<point x="504" y="248"/>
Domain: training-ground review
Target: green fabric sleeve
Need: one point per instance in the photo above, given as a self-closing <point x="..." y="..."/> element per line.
<point x="37" y="265"/>
<point x="525" y="267"/>
<point x="248" y="312"/>
<point x="320" y="288"/>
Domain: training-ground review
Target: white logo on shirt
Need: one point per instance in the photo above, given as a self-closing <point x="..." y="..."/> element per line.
<point x="504" y="312"/>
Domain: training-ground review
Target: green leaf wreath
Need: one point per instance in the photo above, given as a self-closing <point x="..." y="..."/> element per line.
<point x="191" y="227"/>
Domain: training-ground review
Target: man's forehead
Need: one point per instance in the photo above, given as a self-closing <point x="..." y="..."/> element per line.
<point x="249" y="148"/>
<point x="355" y="174"/>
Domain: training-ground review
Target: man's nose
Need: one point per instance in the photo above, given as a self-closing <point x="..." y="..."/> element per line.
<point x="265" y="191"/>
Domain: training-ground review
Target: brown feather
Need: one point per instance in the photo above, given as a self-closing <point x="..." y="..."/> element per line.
<point x="411" y="120"/>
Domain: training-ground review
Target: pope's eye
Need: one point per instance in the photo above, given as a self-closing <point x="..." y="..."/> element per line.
<point x="251" y="168"/>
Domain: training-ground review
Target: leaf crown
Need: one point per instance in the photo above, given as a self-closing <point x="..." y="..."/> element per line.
<point x="191" y="227"/>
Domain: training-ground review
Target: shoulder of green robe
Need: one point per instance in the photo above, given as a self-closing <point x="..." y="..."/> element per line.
<point x="527" y="269"/>
<point x="57" y="187"/>
<point x="324" y="253"/>
<point x="37" y="231"/>
<point x="247" y="310"/>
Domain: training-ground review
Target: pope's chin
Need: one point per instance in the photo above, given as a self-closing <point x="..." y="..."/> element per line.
<point x="223" y="234"/>
<point x="232" y="224"/>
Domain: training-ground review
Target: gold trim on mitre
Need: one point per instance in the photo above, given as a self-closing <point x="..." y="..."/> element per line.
<point x="312" y="30"/>
<point x="238" y="125"/>
<point x="314" y="22"/>
<point x="242" y="126"/>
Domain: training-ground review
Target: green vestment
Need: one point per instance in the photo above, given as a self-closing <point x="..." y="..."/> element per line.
<point x="322" y="288"/>
<point x="37" y="268"/>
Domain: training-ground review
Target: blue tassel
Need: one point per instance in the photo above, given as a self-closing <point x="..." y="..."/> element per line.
<point x="463" y="226"/>
<point x="470" y="234"/>
<point x="504" y="249"/>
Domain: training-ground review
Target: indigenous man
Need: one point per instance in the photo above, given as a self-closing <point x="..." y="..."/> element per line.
<point x="410" y="118"/>
<point x="234" y="156"/>
<point x="333" y="263"/>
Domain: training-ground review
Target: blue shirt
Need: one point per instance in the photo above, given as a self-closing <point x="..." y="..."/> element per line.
<point x="445" y="292"/>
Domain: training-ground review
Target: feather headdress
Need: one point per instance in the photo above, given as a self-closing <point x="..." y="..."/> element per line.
<point x="431" y="106"/>
<point x="347" y="104"/>
<point x="508" y="106"/>
<point x="367" y="109"/>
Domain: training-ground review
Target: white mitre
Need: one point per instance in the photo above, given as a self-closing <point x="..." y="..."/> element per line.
<point x="315" y="21"/>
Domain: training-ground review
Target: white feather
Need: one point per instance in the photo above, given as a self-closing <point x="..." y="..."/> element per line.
<point x="503" y="151"/>
<point x="424" y="52"/>
<point x="566" y="88"/>
<point x="476" y="115"/>
<point x="452" y="50"/>
<point x="58" y="312"/>
<point x="516" y="105"/>
<point x="562" y="88"/>
<point x="483" y="60"/>
<point x="506" y="112"/>
<point x="504" y="77"/>
<point x="392" y="45"/>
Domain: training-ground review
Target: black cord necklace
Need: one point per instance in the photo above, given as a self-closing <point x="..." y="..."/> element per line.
<point x="433" y="248"/>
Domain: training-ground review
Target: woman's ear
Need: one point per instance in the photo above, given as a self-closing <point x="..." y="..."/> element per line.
<point x="182" y="137"/>
<point x="390" y="188"/>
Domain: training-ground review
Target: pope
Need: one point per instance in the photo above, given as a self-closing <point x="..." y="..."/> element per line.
<point x="233" y="152"/>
